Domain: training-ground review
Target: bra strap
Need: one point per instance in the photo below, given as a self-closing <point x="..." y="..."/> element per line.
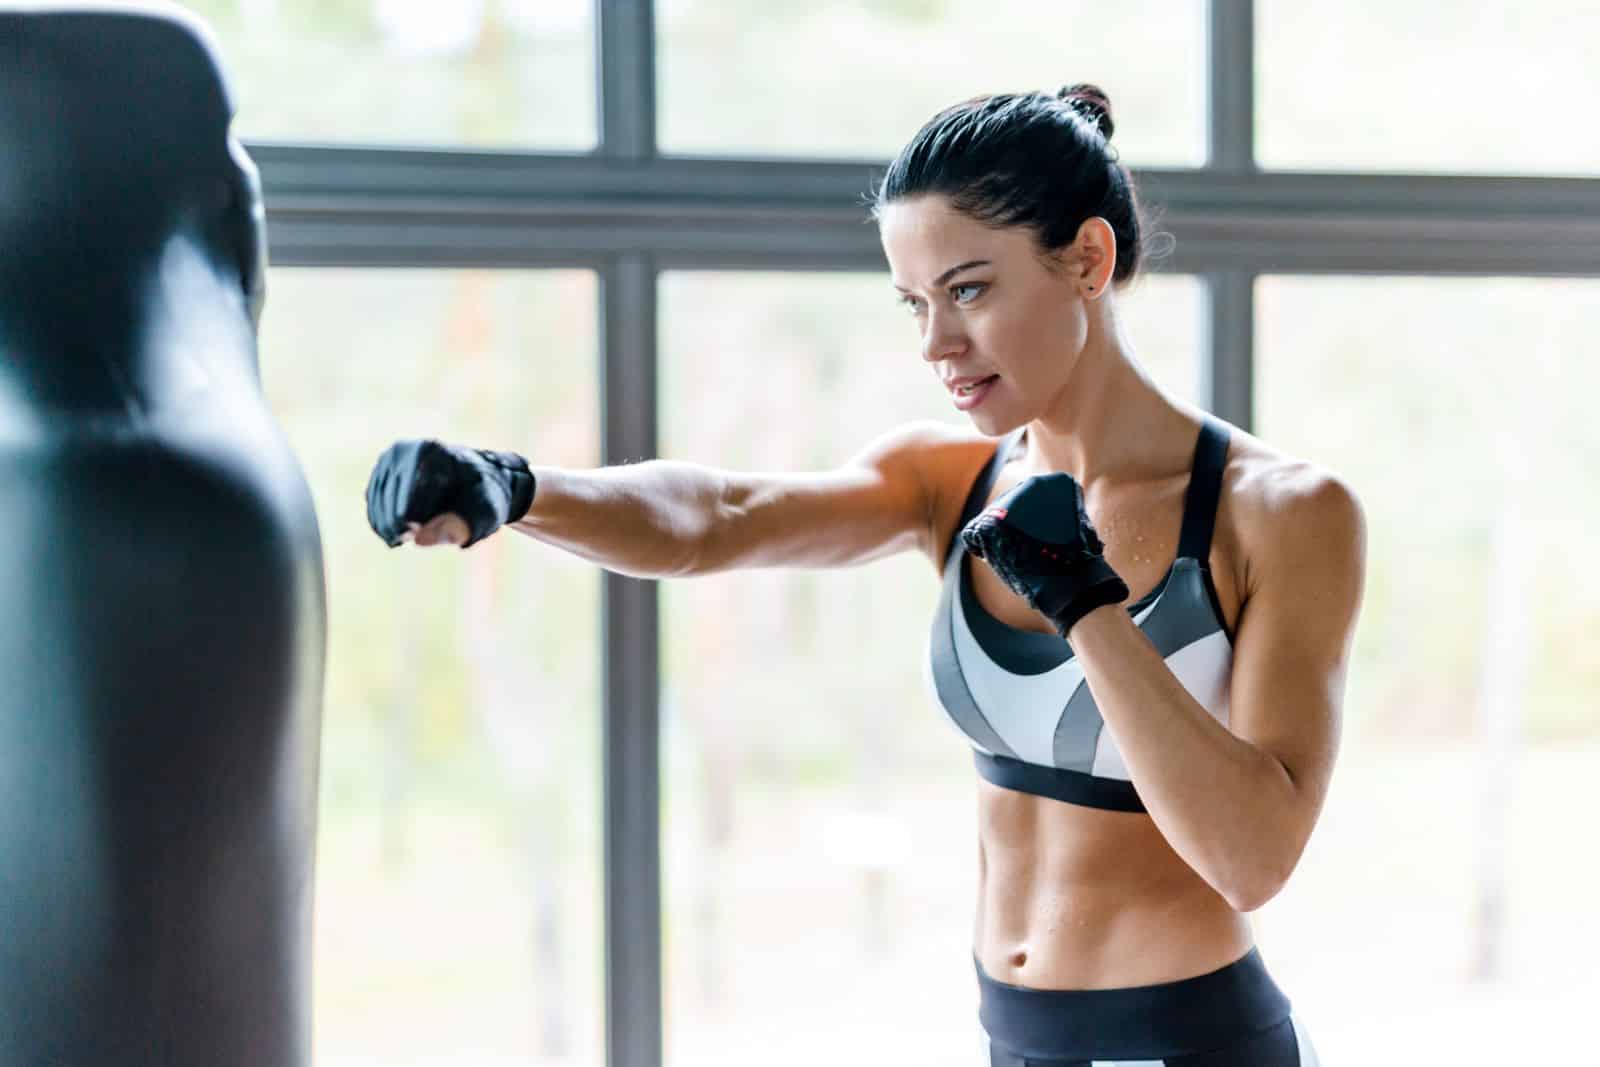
<point x="1205" y="490"/>
<point x="980" y="489"/>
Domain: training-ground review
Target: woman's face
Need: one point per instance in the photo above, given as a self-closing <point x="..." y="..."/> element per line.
<point x="985" y="304"/>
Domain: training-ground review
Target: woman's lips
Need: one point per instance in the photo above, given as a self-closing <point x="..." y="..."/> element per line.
<point x="966" y="401"/>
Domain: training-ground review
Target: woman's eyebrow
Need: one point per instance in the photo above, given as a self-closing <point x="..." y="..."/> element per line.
<point x="951" y="273"/>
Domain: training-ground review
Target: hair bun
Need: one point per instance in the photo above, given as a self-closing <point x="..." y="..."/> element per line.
<point x="1091" y="102"/>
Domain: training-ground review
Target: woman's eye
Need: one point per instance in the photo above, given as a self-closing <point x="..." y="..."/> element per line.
<point x="961" y="294"/>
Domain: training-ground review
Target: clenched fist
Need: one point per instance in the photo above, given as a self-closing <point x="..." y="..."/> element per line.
<point x="418" y="481"/>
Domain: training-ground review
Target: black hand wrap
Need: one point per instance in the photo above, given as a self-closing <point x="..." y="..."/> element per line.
<point x="1037" y="537"/>
<point x="417" y="481"/>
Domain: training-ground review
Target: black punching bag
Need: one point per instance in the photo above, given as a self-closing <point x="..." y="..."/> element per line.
<point x="164" y="627"/>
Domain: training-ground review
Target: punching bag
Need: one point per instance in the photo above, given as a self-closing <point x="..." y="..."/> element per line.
<point x="164" y="628"/>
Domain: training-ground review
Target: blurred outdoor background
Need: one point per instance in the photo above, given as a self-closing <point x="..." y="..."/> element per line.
<point x="819" y="832"/>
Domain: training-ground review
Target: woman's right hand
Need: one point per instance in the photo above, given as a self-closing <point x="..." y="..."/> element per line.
<point x="418" y="487"/>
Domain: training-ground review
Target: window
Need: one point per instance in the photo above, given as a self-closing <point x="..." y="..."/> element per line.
<point x="480" y="73"/>
<point x="854" y="79"/>
<point x="1375" y="85"/>
<point x="1444" y="876"/>
<point x="458" y="901"/>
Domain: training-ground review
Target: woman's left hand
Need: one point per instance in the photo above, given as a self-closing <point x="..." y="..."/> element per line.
<point x="1037" y="537"/>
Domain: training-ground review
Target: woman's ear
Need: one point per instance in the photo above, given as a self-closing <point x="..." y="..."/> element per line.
<point x="1093" y="259"/>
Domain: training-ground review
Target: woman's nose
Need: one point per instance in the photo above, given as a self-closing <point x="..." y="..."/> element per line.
<point x="942" y="338"/>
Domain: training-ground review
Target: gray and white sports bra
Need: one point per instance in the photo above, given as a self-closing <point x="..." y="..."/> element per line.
<point x="1020" y="697"/>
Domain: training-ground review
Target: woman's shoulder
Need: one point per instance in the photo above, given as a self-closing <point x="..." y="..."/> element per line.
<point x="1271" y="496"/>
<point x="1268" y="479"/>
<point x="949" y="459"/>
<point x="943" y="451"/>
<point x="954" y="456"/>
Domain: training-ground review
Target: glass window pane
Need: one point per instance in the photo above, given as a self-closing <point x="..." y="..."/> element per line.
<point x="458" y="899"/>
<point x="819" y="833"/>
<point x="1445" y="880"/>
<point x="481" y="73"/>
<point x="1376" y="85"/>
<point x="856" y="78"/>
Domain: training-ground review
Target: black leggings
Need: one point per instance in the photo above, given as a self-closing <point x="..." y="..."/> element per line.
<point x="1235" y="1016"/>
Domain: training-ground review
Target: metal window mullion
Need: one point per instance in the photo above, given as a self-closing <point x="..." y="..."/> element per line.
<point x="1228" y="349"/>
<point x="1228" y="369"/>
<point x="1230" y="77"/>
<point x="358" y="207"/>
<point x="626" y="66"/>
<point x="630" y="640"/>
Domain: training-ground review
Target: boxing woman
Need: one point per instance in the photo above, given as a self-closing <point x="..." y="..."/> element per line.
<point x="1148" y="658"/>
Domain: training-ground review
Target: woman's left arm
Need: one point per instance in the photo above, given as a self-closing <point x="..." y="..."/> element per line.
<point x="1238" y="803"/>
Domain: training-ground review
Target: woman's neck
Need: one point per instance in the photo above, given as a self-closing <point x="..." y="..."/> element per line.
<point x="1111" y="421"/>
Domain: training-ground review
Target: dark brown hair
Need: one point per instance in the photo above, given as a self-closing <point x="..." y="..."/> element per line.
<point x="1036" y="160"/>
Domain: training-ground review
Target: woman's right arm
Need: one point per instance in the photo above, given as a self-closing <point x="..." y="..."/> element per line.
<point x="668" y="518"/>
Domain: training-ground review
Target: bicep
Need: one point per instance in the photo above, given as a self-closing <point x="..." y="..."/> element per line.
<point x="874" y="505"/>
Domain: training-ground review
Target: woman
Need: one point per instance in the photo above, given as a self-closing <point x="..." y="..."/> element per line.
<point x="1150" y="767"/>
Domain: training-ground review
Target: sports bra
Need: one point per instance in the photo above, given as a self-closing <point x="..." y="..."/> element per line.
<point x="1020" y="697"/>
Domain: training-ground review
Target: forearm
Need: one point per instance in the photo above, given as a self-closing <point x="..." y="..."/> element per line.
<point x="645" y="520"/>
<point x="1220" y="801"/>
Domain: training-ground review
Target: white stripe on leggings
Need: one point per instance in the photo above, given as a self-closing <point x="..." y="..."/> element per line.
<point x="1302" y="1041"/>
